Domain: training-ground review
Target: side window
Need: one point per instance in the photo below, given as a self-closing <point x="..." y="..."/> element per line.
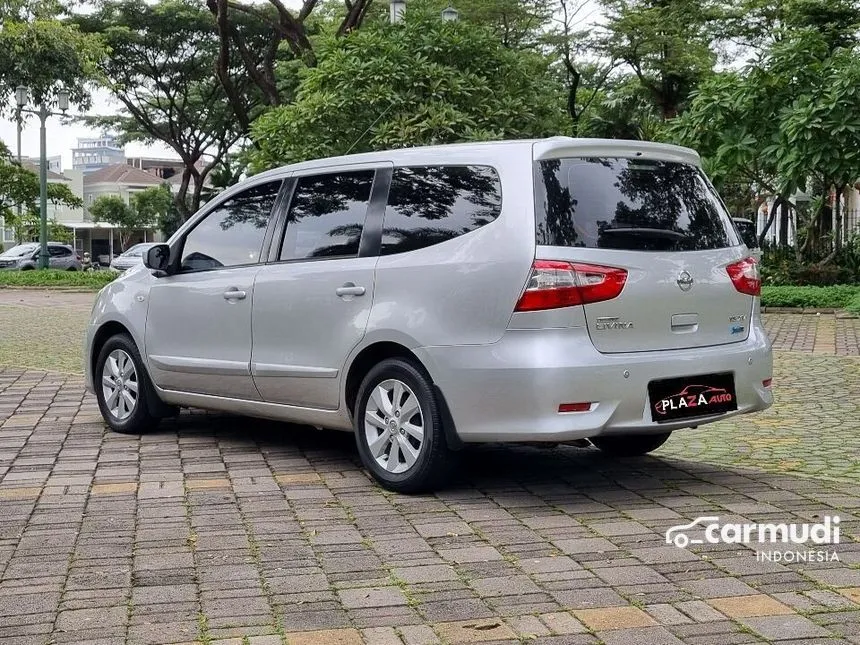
<point x="232" y="234"/>
<point x="431" y="204"/>
<point x="58" y="251"/>
<point x="326" y="215"/>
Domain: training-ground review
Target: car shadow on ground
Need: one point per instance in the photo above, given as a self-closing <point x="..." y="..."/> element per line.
<point x="492" y="467"/>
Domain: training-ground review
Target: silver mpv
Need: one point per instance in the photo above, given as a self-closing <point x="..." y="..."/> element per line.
<point x="557" y="290"/>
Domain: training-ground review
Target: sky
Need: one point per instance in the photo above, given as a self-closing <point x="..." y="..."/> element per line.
<point x="62" y="136"/>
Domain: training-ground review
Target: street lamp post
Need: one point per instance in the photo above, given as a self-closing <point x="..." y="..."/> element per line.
<point x="43" y="112"/>
<point x="20" y="101"/>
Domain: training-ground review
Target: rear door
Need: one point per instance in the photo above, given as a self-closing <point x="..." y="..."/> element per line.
<point x="661" y="222"/>
<point x="313" y="301"/>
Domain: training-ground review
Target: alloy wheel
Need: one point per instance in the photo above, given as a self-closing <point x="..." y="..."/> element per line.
<point x="394" y="426"/>
<point x="120" y="384"/>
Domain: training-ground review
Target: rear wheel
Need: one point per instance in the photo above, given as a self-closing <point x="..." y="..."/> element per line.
<point x="631" y="445"/>
<point x="123" y="389"/>
<point x="398" y="428"/>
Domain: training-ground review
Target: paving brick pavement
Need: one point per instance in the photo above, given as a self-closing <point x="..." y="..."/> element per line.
<point x="217" y="529"/>
<point x="223" y="530"/>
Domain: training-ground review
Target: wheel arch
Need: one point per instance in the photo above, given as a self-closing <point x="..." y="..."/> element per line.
<point x="380" y="350"/>
<point x="103" y="333"/>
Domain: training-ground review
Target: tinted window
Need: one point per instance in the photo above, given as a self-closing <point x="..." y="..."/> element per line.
<point x="431" y="204"/>
<point x="232" y="234"/>
<point x="326" y="215"/>
<point x="627" y="204"/>
<point x="59" y="251"/>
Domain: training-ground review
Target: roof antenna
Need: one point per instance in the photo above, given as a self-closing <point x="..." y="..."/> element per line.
<point x="362" y="135"/>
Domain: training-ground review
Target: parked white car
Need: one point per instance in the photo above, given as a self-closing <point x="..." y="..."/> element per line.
<point x="131" y="258"/>
<point x="523" y="291"/>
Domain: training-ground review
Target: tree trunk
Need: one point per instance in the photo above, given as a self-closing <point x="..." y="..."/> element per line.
<point x="771" y="216"/>
<point x="783" y="225"/>
<point x="182" y="193"/>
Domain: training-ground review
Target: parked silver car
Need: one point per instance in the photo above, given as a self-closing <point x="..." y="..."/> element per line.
<point x="131" y="258"/>
<point x="24" y="257"/>
<point x="527" y="291"/>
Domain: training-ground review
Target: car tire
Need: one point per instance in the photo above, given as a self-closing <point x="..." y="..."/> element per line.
<point x="27" y="267"/>
<point x="119" y="371"/>
<point x="388" y="441"/>
<point x="631" y="445"/>
<point x="71" y="269"/>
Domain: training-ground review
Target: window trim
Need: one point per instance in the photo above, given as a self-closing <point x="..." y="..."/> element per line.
<point x="369" y="237"/>
<point x="177" y="246"/>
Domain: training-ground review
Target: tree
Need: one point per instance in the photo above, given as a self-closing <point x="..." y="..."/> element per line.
<point x="261" y="39"/>
<point x="19" y="186"/>
<point x="44" y="54"/>
<point x="113" y="210"/>
<point x="424" y="81"/>
<point x="156" y="205"/>
<point x="787" y="121"/>
<point x="160" y="69"/>
<point x="666" y="43"/>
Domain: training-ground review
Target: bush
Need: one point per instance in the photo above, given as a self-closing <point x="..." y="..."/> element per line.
<point x="55" y="278"/>
<point x="834" y="297"/>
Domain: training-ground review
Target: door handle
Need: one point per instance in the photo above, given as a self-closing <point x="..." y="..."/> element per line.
<point x="349" y="289"/>
<point x="234" y="294"/>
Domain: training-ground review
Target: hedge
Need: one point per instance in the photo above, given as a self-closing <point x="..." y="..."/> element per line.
<point x="54" y="278"/>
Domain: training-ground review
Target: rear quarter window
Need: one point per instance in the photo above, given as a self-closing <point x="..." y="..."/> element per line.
<point x="428" y="205"/>
<point x="628" y="204"/>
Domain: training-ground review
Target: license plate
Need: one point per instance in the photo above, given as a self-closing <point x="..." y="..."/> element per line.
<point x="692" y="396"/>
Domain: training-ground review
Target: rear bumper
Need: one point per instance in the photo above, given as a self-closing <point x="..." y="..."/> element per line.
<point x="511" y="390"/>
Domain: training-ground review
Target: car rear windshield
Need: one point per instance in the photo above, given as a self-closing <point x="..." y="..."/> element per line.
<point x="628" y="204"/>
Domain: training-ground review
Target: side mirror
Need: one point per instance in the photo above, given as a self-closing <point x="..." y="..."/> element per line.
<point x="157" y="258"/>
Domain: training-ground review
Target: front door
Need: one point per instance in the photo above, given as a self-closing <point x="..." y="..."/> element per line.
<point x="312" y="305"/>
<point x="198" y="329"/>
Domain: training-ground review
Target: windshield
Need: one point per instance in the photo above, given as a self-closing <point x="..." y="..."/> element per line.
<point x="136" y="251"/>
<point x="19" y="251"/>
<point x="633" y="205"/>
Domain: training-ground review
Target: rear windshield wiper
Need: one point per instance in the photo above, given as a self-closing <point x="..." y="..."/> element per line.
<point x="649" y="232"/>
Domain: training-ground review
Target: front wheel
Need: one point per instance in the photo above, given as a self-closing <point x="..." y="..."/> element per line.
<point x="631" y="445"/>
<point x="398" y="428"/>
<point x="123" y="389"/>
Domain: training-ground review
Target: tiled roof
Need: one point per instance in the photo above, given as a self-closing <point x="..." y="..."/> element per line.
<point x="29" y="165"/>
<point x="121" y="173"/>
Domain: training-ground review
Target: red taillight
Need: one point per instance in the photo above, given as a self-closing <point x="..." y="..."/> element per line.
<point x="767" y="382"/>
<point x="745" y="276"/>
<point x="554" y="284"/>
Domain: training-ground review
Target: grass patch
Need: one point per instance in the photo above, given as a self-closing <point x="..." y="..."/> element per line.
<point x="53" y="278"/>
<point x="842" y="296"/>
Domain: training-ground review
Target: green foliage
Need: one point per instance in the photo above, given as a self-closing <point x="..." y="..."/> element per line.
<point x="43" y="53"/>
<point x="666" y="43"/>
<point x="156" y="207"/>
<point x="781" y="266"/>
<point x="834" y="297"/>
<point x="19" y="185"/>
<point x="161" y="71"/>
<point x="423" y="81"/>
<point x="128" y="217"/>
<point x="55" y="278"/>
<point x="27" y="228"/>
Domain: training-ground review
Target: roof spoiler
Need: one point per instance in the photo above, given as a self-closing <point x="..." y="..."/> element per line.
<point x="561" y="147"/>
